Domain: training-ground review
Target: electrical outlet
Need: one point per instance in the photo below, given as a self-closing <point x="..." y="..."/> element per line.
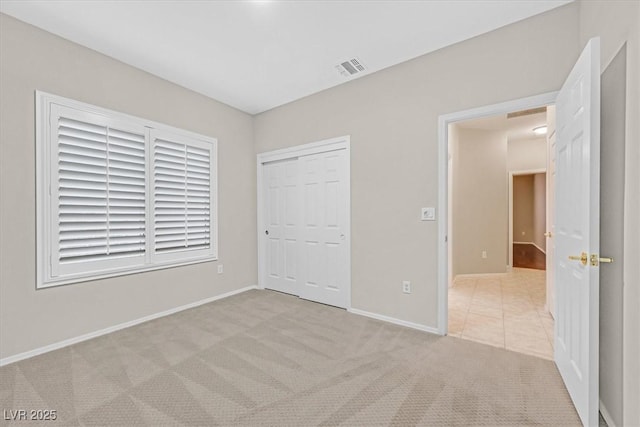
<point x="220" y="269"/>
<point x="406" y="286"/>
<point x="484" y="254"/>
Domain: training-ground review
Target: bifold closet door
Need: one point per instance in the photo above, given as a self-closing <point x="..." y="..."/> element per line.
<point x="282" y="201"/>
<point x="324" y="274"/>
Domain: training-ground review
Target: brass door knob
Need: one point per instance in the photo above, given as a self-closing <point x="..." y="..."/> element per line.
<point x="596" y="260"/>
<point x="583" y="257"/>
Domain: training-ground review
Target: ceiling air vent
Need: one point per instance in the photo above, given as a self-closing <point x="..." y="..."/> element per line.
<point x="526" y="112"/>
<point x="350" y="67"/>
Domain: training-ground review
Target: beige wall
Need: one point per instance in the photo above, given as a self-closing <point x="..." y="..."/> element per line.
<point x="480" y="213"/>
<point x="540" y="210"/>
<point x="392" y="117"/>
<point x="523" y="208"/>
<point x="527" y="154"/>
<point x="616" y="23"/>
<point x="33" y="59"/>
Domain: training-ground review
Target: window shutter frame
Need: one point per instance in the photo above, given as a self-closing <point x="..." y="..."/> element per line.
<point x="165" y="155"/>
<point x="109" y="261"/>
<point x="127" y="175"/>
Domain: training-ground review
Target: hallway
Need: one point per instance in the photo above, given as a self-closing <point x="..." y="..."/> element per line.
<point x="506" y="311"/>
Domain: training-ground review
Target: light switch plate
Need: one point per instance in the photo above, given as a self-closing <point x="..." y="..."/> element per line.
<point x="428" y="214"/>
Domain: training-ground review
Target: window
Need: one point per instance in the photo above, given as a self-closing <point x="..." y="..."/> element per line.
<point x="118" y="194"/>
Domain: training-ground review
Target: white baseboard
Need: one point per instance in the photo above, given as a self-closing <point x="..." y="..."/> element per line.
<point x="395" y="321"/>
<point x="606" y="415"/>
<point x="84" y="337"/>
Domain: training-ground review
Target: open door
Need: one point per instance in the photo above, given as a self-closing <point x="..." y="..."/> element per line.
<point x="577" y="232"/>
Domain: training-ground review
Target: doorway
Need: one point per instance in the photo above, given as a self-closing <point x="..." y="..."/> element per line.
<point x="304" y="221"/>
<point x="576" y="224"/>
<point x="489" y="298"/>
<point x="528" y="219"/>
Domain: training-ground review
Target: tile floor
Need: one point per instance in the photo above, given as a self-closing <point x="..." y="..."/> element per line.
<point x="505" y="311"/>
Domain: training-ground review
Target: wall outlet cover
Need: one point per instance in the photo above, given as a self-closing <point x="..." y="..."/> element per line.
<point x="406" y="286"/>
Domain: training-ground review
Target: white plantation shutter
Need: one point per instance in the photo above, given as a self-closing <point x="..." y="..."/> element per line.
<point x="118" y="194"/>
<point x="100" y="187"/>
<point x="82" y="186"/>
<point x="127" y="206"/>
<point x="182" y="195"/>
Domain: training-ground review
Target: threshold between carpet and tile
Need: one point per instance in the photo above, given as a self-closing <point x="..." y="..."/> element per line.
<point x="264" y="358"/>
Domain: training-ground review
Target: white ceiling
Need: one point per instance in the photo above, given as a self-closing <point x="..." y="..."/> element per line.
<point x="256" y="55"/>
<point x="517" y="128"/>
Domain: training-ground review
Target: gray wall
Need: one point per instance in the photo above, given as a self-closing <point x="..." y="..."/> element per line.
<point x="392" y="117"/>
<point x="480" y="202"/>
<point x="33" y="59"/>
<point x="617" y="23"/>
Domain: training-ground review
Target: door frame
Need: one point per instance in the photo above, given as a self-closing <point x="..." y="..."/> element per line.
<point x="511" y="175"/>
<point x="324" y="146"/>
<point x="443" y="159"/>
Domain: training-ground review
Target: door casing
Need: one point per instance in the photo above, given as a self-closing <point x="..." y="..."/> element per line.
<point x="443" y="185"/>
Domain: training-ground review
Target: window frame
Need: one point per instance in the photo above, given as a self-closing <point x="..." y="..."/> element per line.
<point x="46" y="210"/>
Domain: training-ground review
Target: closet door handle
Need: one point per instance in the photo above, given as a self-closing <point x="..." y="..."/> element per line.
<point x="266" y="232"/>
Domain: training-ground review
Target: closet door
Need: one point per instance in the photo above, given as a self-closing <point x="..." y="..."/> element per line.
<point x="281" y="225"/>
<point x="324" y="272"/>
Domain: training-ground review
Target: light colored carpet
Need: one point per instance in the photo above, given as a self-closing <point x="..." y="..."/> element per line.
<point x="267" y="359"/>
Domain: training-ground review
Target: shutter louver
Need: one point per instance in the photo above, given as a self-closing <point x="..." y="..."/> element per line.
<point x="182" y="196"/>
<point x="101" y="191"/>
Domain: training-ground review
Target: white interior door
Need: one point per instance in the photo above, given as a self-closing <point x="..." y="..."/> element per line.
<point x="324" y="270"/>
<point x="281" y="206"/>
<point x="577" y="232"/>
